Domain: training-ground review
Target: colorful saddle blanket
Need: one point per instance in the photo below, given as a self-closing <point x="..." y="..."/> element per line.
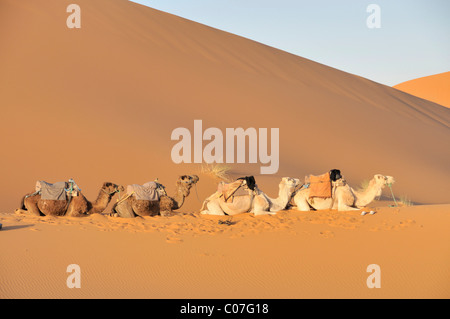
<point x="320" y="186"/>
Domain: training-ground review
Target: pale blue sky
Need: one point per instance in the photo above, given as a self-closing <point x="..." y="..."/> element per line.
<point x="413" y="41"/>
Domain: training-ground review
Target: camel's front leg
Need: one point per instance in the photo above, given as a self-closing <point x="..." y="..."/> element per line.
<point x="343" y="207"/>
<point x="302" y="204"/>
<point x="264" y="212"/>
<point x="167" y="213"/>
<point x="261" y="206"/>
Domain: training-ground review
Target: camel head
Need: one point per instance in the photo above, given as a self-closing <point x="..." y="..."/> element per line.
<point x="111" y="188"/>
<point x="289" y="183"/>
<point x="382" y="180"/>
<point x="185" y="182"/>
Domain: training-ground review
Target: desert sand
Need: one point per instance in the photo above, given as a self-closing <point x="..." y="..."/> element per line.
<point x="99" y="104"/>
<point x="435" y="88"/>
<point x="289" y="255"/>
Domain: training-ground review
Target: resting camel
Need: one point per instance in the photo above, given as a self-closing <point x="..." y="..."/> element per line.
<point x="129" y="206"/>
<point x="345" y="197"/>
<point x="77" y="206"/>
<point x="256" y="201"/>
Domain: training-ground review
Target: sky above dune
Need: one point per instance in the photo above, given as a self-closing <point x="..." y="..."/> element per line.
<point x="412" y="40"/>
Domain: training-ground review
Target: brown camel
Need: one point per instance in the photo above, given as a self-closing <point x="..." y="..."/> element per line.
<point x="129" y="206"/>
<point x="75" y="206"/>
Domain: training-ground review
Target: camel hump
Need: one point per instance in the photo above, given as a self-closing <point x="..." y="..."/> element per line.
<point x="149" y="191"/>
<point x="240" y="187"/>
<point x="227" y="190"/>
<point x="334" y="175"/>
<point x="320" y="186"/>
<point x="55" y="191"/>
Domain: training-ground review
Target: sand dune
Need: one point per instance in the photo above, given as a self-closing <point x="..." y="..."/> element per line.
<point x="99" y="104"/>
<point x="435" y="88"/>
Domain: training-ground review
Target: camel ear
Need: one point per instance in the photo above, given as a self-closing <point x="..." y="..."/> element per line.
<point x="288" y="180"/>
<point x="381" y="177"/>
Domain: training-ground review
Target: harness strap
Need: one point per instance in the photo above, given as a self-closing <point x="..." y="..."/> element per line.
<point x="393" y="197"/>
<point x="35" y="193"/>
<point x="196" y="193"/>
<point x="120" y="200"/>
<point x="72" y="184"/>
<point x="333" y="197"/>
<point x="68" y="204"/>
<point x="296" y="190"/>
<point x="117" y="190"/>
<point x="253" y="193"/>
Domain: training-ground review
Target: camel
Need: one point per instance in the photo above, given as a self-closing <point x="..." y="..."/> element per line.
<point x="344" y="198"/>
<point x="76" y="206"/>
<point x="256" y="202"/>
<point x="130" y="207"/>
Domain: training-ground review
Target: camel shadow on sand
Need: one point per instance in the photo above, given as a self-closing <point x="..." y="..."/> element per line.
<point x="14" y="227"/>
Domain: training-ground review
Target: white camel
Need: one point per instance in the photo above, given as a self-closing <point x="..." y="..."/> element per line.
<point x="256" y="201"/>
<point x="344" y="197"/>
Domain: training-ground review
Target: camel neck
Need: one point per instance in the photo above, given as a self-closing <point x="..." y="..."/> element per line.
<point x="179" y="197"/>
<point x="101" y="202"/>
<point x="281" y="201"/>
<point x="365" y="197"/>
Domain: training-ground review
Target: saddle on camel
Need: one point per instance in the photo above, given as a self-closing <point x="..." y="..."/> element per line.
<point x="151" y="191"/>
<point x="322" y="185"/>
<point x="240" y="187"/>
<point x="56" y="191"/>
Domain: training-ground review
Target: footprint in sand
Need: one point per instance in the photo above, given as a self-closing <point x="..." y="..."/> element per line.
<point x="405" y="224"/>
<point x="392" y="225"/>
<point x="173" y="240"/>
<point x="326" y="234"/>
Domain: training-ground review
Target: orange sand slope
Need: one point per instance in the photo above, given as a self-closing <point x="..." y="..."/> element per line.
<point x="435" y="88"/>
<point x="288" y="255"/>
<point x="99" y="104"/>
